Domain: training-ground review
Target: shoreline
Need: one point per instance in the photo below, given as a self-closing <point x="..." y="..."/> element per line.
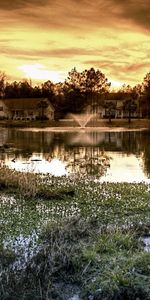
<point x="98" y="124"/>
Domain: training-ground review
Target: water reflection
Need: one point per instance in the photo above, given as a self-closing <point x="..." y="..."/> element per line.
<point x="125" y="168"/>
<point x="38" y="164"/>
<point x="84" y="152"/>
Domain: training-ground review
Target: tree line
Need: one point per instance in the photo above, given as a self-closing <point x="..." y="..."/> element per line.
<point x="80" y="90"/>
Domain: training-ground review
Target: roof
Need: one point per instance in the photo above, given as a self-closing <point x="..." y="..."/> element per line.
<point x="25" y="103"/>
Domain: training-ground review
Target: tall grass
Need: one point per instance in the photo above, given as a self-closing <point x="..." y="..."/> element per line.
<point x="25" y="183"/>
<point x="31" y="185"/>
<point x="99" y="250"/>
<point x="103" y="265"/>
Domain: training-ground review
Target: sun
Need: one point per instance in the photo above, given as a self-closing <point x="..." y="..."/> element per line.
<point x="39" y="72"/>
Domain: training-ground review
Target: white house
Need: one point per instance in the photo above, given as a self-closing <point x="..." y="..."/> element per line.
<point x="26" y="109"/>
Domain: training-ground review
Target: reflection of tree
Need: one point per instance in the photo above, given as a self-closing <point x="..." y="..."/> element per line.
<point x="130" y="142"/>
<point x="30" y="141"/>
<point x="144" y="141"/>
<point x="81" y="153"/>
<point x="87" y="161"/>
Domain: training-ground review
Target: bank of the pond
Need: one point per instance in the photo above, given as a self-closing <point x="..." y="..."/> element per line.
<point x="135" y="123"/>
<point x="64" y="238"/>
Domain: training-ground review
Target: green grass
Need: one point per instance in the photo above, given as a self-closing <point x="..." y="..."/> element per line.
<point x="88" y="236"/>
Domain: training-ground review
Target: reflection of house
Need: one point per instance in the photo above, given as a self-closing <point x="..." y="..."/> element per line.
<point x="26" y="109"/>
<point x="3" y="136"/>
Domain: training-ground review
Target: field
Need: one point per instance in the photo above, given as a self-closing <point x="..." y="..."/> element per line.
<point x="73" y="238"/>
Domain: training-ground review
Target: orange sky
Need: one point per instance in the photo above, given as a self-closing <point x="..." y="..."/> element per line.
<point x="45" y="39"/>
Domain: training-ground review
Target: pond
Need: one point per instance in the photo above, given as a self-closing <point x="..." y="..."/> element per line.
<point x="63" y="152"/>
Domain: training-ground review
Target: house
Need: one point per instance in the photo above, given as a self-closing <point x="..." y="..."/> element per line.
<point x="106" y="108"/>
<point x="26" y="109"/>
<point x="115" y="108"/>
<point x="119" y="108"/>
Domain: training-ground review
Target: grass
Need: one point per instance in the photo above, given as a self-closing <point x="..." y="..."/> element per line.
<point x="135" y="123"/>
<point x="88" y="237"/>
<point x="76" y="252"/>
<point x="31" y="185"/>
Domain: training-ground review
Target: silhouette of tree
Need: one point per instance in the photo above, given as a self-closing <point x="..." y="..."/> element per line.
<point x="21" y="89"/>
<point x="25" y="89"/>
<point x="146" y="84"/>
<point x="59" y="100"/>
<point x="80" y="90"/>
<point x="73" y="99"/>
<point x="47" y="89"/>
<point x="12" y="90"/>
<point x="110" y="110"/>
<point x="130" y="107"/>
<point x="146" y="94"/>
<point x="90" y="83"/>
<point x="36" y="92"/>
<point x="2" y="84"/>
<point x="42" y="105"/>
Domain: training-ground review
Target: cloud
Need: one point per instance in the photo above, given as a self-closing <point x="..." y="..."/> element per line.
<point x="83" y="14"/>
<point x="136" y="67"/>
<point x="120" y="70"/>
<point x="48" y="52"/>
<point x="19" y="4"/>
<point x="112" y="35"/>
<point x="135" y="11"/>
<point x="59" y="14"/>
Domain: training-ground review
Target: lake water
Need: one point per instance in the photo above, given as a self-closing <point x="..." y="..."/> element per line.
<point x="125" y="153"/>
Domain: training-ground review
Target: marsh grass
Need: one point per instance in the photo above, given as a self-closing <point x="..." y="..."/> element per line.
<point x="7" y="257"/>
<point x="25" y="183"/>
<point x="31" y="185"/>
<point x="92" y="242"/>
<point x="104" y="264"/>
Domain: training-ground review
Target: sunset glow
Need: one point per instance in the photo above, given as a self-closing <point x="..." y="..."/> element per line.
<point x="39" y="72"/>
<point x="43" y="40"/>
<point x="116" y="84"/>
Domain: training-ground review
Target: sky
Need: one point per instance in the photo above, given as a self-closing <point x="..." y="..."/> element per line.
<point x="43" y="39"/>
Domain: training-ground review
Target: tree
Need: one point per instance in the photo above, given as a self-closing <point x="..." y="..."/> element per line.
<point x="42" y="105"/>
<point x="90" y="83"/>
<point x="2" y="84"/>
<point x="47" y="89"/>
<point x="110" y="109"/>
<point x="12" y="90"/>
<point x="146" y="94"/>
<point x="73" y="99"/>
<point x="36" y="92"/>
<point x="25" y="89"/>
<point x="146" y="84"/>
<point x="21" y="89"/>
<point x="95" y="81"/>
<point x="129" y="106"/>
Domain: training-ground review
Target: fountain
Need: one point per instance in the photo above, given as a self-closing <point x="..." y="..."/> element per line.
<point x="82" y="119"/>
